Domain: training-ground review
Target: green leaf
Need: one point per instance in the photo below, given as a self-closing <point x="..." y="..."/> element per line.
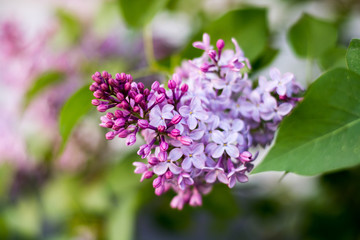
<point x="248" y="26"/>
<point x="43" y="81"/>
<point x="265" y="59"/>
<point x="322" y="133"/>
<point x="138" y="13"/>
<point x="353" y="56"/>
<point x="333" y="58"/>
<point x="71" y="27"/>
<point x="76" y="107"/>
<point x="310" y="36"/>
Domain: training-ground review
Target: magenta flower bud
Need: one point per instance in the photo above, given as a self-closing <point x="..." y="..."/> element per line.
<point x="98" y="94"/>
<point x="164" y="146"/>
<point x="155" y="86"/>
<point x="184" y="88"/>
<point x="130" y="139"/>
<point x="161" y="128"/>
<point x="160" y="98"/>
<point x="146" y="92"/>
<point x="118" y="113"/>
<point x="96" y="79"/>
<point x="220" y="44"/>
<point x="171" y="84"/>
<point x="177" y="78"/>
<point x="123" y="133"/>
<point x="143" y="123"/>
<point x="124" y="105"/>
<point x="204" y="67"/>
<point x="112" y="82"/>
<point x="169" y="175"/>
<point x="185" y="140"/>
<point x="97" y="74"/>
<point x="175" y="132"/>
<point x="140" y="86"/>
<point x="127" y="86"/>
<point x="245" y="156"/>
<point x="102" y="108"/>
<point x="118" y="76"/>
<point x="138" y="98"/>
<point x="153" y="161"/>
<point x="109" y="124"/>
<point x="95" y="102"/>
<point x="176" y="119"/>
<point x="105" y="74"/>
<point x="120" y="122"/>
<point x="122" y="77"/>
<point x="129" y="78"/>
<point x="93" y="87"/>
<point x="157" y="182"/>
<point x="159" y="190"/>
<point x="110" y="115"/>
<point x="110" y="135"/>
<point x="212" y="54"/>
<point x="136" y="109"/>
<point x="161" y="90"/>
<point x="120" y="96"/>
<point x="132" y="94"/>
<point x="125" y="113"/>
<point x="104" y="87"/>
<point x="148" y="174"/>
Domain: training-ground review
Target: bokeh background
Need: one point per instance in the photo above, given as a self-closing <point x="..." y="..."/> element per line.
<point x="86" y="189"/>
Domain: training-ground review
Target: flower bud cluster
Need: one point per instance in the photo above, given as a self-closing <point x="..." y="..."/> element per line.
<point x="198" y="131"/>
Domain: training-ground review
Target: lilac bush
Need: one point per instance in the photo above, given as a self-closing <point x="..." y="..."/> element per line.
<point x="198" y="130"/>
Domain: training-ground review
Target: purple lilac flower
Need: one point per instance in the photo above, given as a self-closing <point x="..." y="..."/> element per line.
<point x="199" y="131"/>
<point x="193" y="113"/>
<point x="225" y="143"/>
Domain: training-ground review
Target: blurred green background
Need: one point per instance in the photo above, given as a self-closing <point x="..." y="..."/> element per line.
<point x="60" y="178"/>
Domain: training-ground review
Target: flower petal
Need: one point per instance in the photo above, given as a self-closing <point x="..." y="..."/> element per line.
<point x="284" y="109"/>
<point x="186" y="164"/>
<point x="198" y="149"/>
<point x="210" y="177"/>
<point x="219" y="150"/>
<point x="192" y="122"/>
<point x="198" y="162"/>
<point x="232" y="151"/>
<point x="184" y="111"/>
<point x="275" y="74"/>
<point x="174" y="169"/>
<point x="218" y="137"/>
<point x="175" y="154"/>
<point x="161" y="168"/>
<point x="222" y="177"/>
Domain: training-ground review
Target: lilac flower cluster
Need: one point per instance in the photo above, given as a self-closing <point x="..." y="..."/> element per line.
<point x="199" y="130"/>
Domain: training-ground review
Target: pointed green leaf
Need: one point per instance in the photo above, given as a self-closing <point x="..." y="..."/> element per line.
<point x="43" y="81"/>
<point x="310" y="36"/>
<point x="333" y="58"/>
<point x="76" y="107"/>
<point x="322" y="133"/>
<point x="138" y="13"/>
<point x="70" y="25"/>
<point x="353" y="56"/>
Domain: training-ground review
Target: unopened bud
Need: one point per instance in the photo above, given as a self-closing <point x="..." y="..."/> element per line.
<point x="171" y="84"/>
<point x="143" y="123"/>
<point x="176" y="119"/>
<point x="160" y="98"/>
